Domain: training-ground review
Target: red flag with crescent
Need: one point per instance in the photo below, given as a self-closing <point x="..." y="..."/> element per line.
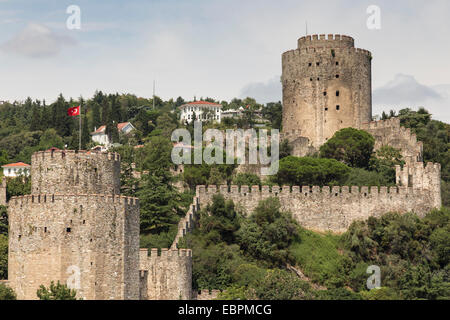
<point x="74" y="111"/>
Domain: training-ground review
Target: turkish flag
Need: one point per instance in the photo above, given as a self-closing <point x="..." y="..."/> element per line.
<point x="74" y="111"/>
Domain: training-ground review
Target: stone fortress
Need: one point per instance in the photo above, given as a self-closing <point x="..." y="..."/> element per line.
<point x="327" y="87"/>
<point x="76" y="226"/>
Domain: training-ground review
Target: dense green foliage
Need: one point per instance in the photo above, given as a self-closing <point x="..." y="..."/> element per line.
<point x="3" y="256"/>
<point x="352" y="146"/>
<point x="56" y="291"/>
<point x="311" y="171"/>
<point x="6" y="293"/>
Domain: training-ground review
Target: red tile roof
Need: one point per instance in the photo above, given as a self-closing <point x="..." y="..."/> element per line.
<point x="204" y="102"/>
<point x="120" y="126"/>
<point x="17" y="164"/>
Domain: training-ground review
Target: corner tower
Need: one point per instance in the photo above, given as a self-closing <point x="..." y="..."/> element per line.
<point x="326" y="87"/>
<point x="75" y="228"/>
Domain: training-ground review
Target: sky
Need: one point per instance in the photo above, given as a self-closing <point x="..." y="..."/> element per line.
<point x="216" y="48"/>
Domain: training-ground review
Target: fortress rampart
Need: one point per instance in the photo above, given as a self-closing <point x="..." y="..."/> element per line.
<point x="169" y="274"/>
<point x="389" y="132"/>
<point x="335" y="208"/>
<point x="186" y="224"/>
<point x="53" y="236"/>
<point x="70" y="171"/>
<point x="75" y="228"/>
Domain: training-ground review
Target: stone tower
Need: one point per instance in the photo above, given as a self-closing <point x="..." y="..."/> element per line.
<point x="75" y="227"/>
<point x="326" y="87"/>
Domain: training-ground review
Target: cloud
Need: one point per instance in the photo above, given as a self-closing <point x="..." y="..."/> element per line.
<point x="263" y="92"/>
<point x="37" y="41"/>
<point x="404" y="91"/>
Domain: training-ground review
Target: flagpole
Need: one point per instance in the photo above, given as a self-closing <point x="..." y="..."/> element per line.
<point x="79" y="147"/>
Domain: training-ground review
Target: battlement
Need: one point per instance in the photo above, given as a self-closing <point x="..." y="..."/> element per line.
<point x="169" y="273"/>
<point x="388" y="123"/>
<point x="164" y="252"/>
<point x="36" y="199"/>
<point x="292" y="55"/>
<point x="55" y="154"/>
<point x="205" y="294"/>
<point x="333" y="208"/>
<point x="303" y="191"/>
<point x="390" y="132"/>
<point x="331" y="40"/>
<point x="71" y="171"/>
<point x="186" y="224"/>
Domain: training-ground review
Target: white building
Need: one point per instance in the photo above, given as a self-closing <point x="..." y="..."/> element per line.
<point x="200" y="110"/>
<point x="13" y="170"/>
<point x="101" y="137"/>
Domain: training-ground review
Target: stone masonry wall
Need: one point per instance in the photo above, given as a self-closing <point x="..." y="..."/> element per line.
<point x="389" y="132"/>
<point x="53" y="235"/>
<point x="75" y="172"/>
<point x="186" y="224"/>
<point x="3" y="192"/>
<point x="326" y="87"/>
<point x="169" y="274"/>
<point x="334" y="209"/>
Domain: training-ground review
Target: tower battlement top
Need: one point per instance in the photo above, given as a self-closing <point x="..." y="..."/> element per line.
<point x="322" y="40"/>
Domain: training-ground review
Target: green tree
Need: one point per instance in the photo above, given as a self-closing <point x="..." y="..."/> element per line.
<point x="246" y="179"/>
<point x="221" y="217"/>
<point x="3" y="256"/>
<point x="6" y="293"/>
<point x="311" y="171"/>
<point x="268" y="233"/>
<point x="384" y="161"/>
<point x="56" y="292"/>
<point x="352" y="146"/>
<point x="281" y="285"/>
<point x="3" y="220"/>
<point x="18" y="186"/>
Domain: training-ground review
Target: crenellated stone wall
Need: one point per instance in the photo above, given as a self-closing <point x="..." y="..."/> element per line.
<point x="75" y="228"/>
<point x="390" y="133"/>
<point x="53" y="236"/>
<point x="186" y="224"/>
<point x="334" y="209"/>
<point x="169" y="274"/>
<point x="75" y="172"/>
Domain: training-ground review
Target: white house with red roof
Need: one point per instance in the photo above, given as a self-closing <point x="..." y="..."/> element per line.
<point x="100" y="136"/>
<point x="13" y="170"/>
<point x="200" y="110"/>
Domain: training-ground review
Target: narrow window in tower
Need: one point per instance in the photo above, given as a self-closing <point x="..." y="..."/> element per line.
<point x="326" y="109"/>
<point x="337" y="63"/>
<point x="324" y="93"/>
<point x="69" y="229"/>
<point x="337" y="93"/>
<point x="317" y="63"/>
<point x="310" y="79"/>
<point x="338" y="107"/>
<point x="310" y="64"/>
<point x="337" y="76"/>
<point x="318" y="79"/>
<point x="45" y="229"/>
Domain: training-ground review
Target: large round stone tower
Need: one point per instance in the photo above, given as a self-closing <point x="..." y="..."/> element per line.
<point x="326" y="87"/>
<point x="75" y="228"/>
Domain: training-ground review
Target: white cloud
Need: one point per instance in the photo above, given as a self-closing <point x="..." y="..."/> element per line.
<point x="36" y="41"/>
<point x="263" y="92"/>
<point x="404" y="91"/>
